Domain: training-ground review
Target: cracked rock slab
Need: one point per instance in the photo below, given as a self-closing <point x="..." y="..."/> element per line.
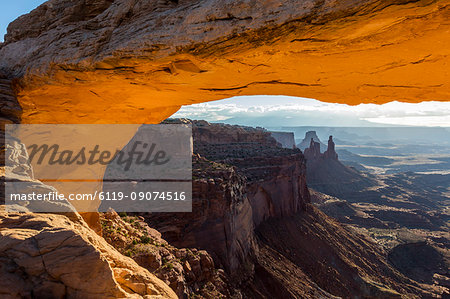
<point x="49" y="256"/>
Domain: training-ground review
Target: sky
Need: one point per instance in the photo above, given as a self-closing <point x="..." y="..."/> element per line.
<point x="273" y="111"/>
<point x="11" y="9"/>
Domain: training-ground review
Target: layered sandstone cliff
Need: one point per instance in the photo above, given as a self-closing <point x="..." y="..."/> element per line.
<point x="286" y="139"/>
<point x="241" y="178"/>
<point x="221" y="217"/>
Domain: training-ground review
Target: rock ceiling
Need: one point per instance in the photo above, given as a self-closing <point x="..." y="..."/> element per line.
<point x="135" y="61"/>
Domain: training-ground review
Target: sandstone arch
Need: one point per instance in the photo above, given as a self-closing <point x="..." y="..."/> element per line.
<point x="138" y="61"/>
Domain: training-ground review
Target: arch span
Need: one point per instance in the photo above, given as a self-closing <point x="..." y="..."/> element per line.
<point x="138" y="61"/>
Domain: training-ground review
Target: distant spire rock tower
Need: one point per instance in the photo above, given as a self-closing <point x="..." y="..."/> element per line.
<point x="330" y="153"/>
<point x="313" y="152"/>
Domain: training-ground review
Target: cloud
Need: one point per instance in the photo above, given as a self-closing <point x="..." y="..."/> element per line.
<point x="292" y="111"/>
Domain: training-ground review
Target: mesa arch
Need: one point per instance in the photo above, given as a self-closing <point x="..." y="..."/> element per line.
<point x="135" y="61"/>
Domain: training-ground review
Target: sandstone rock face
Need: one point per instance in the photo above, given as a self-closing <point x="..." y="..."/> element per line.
<point x="49" y="256"/>
<point x="189" y="272"/>
<point x="306" y="254"/>
<point x="90" y="61"/>
<point x="330" y="153"/>
<point x="274" y="178"/>
<point x="221" y="218"/>
<point x="10" y="110"/>
<point x="325" y="173"/>
<point x="16" y="177"/>
<point x="306" y="142"/>
<point x="238" y="183"/>
<point x="57" y="255"/>
<point x="313" y="151"/>
<point x="276" y="186"/>
<point x="222" y="134"/>
<point x="286" y="139"/>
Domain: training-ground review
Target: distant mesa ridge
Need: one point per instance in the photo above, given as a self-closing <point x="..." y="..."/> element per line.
<point x="285" y="139"/>
<point x="306" y="142"/>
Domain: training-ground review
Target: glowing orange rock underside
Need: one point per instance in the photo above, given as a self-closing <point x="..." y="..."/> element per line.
<point x="393" y="55"/>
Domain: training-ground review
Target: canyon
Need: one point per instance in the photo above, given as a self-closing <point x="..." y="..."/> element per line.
<point x="265" y="242"/>
<point x="253" y="232"/>
<point x="405" y="213"/>
<point x="234" y="190"/>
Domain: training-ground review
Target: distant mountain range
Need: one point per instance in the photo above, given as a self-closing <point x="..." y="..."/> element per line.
<point x="380" y="135"/>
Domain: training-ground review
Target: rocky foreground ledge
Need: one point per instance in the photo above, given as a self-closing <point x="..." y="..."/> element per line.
<point x="50" y="256"/>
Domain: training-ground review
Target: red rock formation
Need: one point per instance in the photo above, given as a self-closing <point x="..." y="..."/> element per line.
<point x="241" y="179"/>
<point x="208" y="133"/>
<point x="326" y="174"/>
<point x="313" y="151"/>
<point x="282" y="192"/>
<point x="251" y="213"/>
<point x="305" y="143"/>
<point x="189" y="272"/>
<point x="330" y="153"/>
<point x="221" y="217"/>
<point x="10" y="110"/>
<point x="51" y="256"/>
<point x="286" y="139"/>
